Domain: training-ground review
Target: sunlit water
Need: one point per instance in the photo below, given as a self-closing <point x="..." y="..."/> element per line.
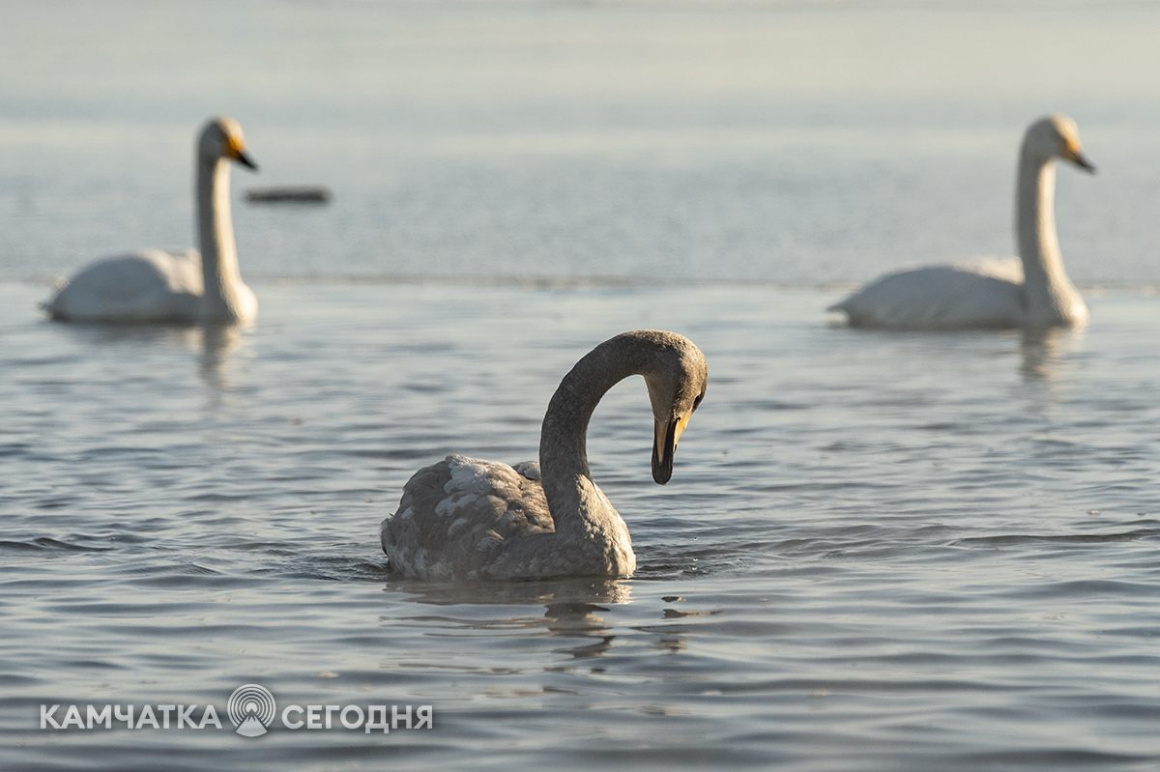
<point x="877" y="551"/>
<point x="897" y="551"/>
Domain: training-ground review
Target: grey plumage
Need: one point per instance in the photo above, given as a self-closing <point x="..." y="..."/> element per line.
<point x="468" y="519"/>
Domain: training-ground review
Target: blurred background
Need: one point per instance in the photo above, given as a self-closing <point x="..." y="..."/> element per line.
<point x="796" y="143"/>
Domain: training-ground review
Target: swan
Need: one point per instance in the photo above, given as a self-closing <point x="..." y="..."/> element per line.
<point x="463" y="518"/>
<point x="157" y="286"/>
<point x="1031" y="291"/>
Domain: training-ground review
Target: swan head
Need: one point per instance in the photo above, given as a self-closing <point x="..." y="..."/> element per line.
<point x="676" y="385"/>
<point x="222" y="138"/>
<point x="1056" y="136"/>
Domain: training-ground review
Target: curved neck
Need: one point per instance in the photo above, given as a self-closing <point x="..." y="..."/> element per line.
<point x="573" y="499"/>
<point x="215" y="233"/>
<point x="1046" y="285"/>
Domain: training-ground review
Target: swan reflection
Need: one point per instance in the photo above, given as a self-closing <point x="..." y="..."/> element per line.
<point x="213" y="345"/>
<point x="1041" y="351"/>
<point x="573" y="608"/>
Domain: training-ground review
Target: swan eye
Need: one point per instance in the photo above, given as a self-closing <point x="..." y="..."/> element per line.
<point x="697" y="401"/>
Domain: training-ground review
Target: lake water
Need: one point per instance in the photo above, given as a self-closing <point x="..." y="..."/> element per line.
<point x="877" y="551"/>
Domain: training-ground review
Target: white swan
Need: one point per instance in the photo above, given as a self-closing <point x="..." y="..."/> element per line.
<point x="1031" y="291"/>
<point x="469" y="519"/>
<point x="164" y="287"/>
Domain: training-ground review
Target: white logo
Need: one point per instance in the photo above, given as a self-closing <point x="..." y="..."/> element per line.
<point x="251" y="709"/>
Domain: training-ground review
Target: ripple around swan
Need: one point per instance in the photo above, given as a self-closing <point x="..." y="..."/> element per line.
<point x="955" y="572"/>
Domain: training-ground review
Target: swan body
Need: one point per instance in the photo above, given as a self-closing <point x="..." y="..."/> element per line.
<point x="1031" y="291"/>
<point x="155" y="286"/>
<point x="463" y="518"/>
<point x="493" y="521"/>
<point x="979" y="294"/>
<point x="151" y="285"/>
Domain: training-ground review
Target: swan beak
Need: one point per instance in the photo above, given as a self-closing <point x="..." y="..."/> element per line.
<point x="244" y="159"/>
<point x="1082" y="162"/>
<point x="1076" y="156"/>
<point x="668" y="434"/>
<point x="236" y="151"/>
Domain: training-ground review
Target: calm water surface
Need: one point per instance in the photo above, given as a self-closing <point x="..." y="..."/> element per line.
<point x="889" y="552"/>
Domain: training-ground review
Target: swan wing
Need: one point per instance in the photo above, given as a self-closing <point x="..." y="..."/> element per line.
<point x="983" y="293"/>
<point x="457" y="516"/>
<point x="147" y="286"/>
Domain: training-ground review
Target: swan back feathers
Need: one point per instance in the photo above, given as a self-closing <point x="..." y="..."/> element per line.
<point x="456" y="516"/>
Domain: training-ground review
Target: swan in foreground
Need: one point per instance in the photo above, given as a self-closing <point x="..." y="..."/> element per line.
<point x="157" y="286"/>
<point x="1031" y="291"/>
<point x="468" y="519"/>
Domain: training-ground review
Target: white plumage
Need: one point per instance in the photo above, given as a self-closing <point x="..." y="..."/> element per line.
<point x="977" y="294"/>
<point x="1032" y="290"/>
<point x="151" y="285"/>
<point x="155" y="286"/>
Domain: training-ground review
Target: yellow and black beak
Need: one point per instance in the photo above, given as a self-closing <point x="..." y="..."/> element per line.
<point x="1075" y="155"/>
<point x="668" y="434"/>
<point x="246" y="161"/>
<point x="236" y="151"/>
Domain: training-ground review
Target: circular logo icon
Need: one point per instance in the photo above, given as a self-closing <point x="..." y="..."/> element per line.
<point x="251" y="709"/>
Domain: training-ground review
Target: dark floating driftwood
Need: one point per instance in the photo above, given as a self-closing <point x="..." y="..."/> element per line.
<point x="298" y="194"/>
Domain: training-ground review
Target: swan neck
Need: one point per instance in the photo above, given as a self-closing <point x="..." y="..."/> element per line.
<point x="1045" y="281"/>
<point x="215" y="232"/>
<point x="573" y="499"/>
